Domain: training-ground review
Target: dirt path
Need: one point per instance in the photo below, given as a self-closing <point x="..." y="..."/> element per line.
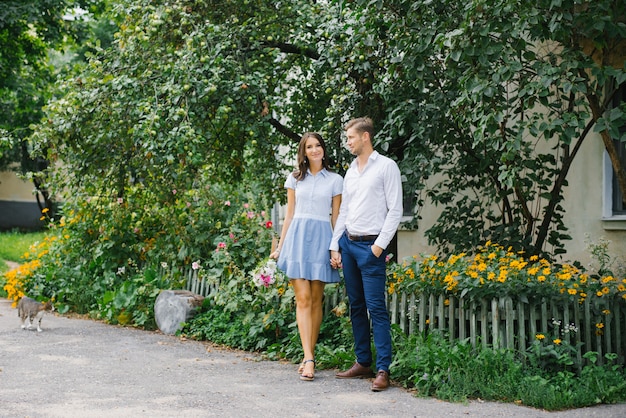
<point x="12" y="265"/>
<point x="83" y="368"/>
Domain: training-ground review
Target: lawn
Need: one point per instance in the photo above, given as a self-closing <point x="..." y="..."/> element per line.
<point x="14" y="244"/>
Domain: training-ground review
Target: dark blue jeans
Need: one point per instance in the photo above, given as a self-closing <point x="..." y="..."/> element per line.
<point x="365" y="277"/>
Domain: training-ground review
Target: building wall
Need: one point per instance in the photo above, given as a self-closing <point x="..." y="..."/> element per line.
<point x="18" y="204"/>
<point x="586" y="215"/>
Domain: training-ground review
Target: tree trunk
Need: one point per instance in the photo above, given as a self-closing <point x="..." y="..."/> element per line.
<point x="609" y="145"/>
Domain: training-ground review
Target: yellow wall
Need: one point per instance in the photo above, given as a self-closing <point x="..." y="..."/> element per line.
<point x="18" y="205"/>
<point x="583" y="203"/>
<point x="14" y="189"/>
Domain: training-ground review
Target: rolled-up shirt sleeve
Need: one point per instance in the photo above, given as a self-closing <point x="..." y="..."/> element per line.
<point x="393" y="198"/>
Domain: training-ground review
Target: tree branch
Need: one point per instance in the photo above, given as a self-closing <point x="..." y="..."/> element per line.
<point x="284" y="130"/>
<point x="293" y="49"/>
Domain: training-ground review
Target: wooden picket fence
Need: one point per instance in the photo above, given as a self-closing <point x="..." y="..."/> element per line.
<point x="504" y="322"/>
<point x="598" y="326"/>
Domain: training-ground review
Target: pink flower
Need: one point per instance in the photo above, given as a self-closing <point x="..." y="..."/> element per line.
<point x="227" y="203"/>
<point x="174" y="191"/>
<point x="220" y="246"/>
<point x="195" y="265"/>
<point x="246" y="206"/>
<point x="210" y="203"/>
<point x="231" y="235"/>
<point x="188" y="204"/>
<point x="263" y="213"/>
<point x="120" y="200"/>
<point x="266" y="280"/>
<point x="250" y="215"/>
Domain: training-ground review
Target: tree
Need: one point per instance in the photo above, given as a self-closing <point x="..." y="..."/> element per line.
<point x="29" y="30"/>
<point x="496" y="99"/>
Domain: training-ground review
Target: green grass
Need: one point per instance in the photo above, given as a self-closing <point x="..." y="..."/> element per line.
<point x="13" y="245"/>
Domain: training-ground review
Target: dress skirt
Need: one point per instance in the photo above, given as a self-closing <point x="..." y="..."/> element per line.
<point x="305" y="254"/>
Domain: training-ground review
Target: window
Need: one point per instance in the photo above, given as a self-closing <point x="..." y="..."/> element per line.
<point x="614" y="208"/>
<point x="619" y="201"/>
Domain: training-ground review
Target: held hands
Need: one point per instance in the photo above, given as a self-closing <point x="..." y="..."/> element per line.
<point x="335" y="259"/>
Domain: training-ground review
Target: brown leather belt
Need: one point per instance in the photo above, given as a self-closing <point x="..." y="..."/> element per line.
<point x="361" y="237"/>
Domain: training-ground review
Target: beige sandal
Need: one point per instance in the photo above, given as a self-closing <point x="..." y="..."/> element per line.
<point x="308" y="376"/>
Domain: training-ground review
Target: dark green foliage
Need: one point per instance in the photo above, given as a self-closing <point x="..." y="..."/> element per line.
<point x="456" y="371"/>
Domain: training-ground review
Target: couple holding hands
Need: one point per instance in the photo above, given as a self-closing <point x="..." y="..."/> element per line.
<point x="365" y="211"/>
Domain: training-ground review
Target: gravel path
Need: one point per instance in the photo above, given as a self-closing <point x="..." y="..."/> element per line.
<point x="83" y="368"/>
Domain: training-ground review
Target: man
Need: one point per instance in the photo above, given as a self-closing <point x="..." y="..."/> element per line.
<point x="370" y="212"/>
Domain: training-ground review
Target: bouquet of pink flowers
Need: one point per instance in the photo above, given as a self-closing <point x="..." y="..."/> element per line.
<point x="266" y="273"/>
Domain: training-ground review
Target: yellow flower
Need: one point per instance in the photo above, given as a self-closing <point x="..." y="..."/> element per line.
<point x="45" y="210"/>
<point x="540" y="337"/>
<point x="557" y="341"/>
<point x="571" y="291"/>
<point x="503" y="274"/>
<point x="606" y="312"/>
<point x="599" y="294"/>
<point x="607" y="279"/>
<point x="541" y="278"/>
<point x="599" y="325"/>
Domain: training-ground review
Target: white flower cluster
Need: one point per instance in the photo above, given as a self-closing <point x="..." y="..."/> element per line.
<point x="266" y="274"/>
<point x="567" y="328"/>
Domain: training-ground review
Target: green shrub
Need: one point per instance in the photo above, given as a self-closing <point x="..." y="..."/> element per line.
<point x="455" y="371"/>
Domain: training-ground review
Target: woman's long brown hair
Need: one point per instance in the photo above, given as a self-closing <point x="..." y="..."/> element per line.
<point x="303" y="161"/>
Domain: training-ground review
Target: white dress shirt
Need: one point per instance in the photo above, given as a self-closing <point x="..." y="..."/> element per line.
<point x="371" y="202"/>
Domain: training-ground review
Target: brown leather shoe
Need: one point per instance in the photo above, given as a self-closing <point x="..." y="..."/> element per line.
<point x="356" y="372"/>
<point x="381" y="382"/>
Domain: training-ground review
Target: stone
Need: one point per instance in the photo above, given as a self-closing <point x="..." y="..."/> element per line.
<point x="174" y="307"/>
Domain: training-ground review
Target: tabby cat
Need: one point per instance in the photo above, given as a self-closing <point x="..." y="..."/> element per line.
<point x="32" y="310"/>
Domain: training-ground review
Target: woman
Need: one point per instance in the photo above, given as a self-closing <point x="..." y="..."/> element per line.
<point x="313" y="200"/>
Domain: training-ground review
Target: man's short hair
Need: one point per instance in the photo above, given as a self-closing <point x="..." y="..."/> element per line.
<point x="364" y="124"/>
